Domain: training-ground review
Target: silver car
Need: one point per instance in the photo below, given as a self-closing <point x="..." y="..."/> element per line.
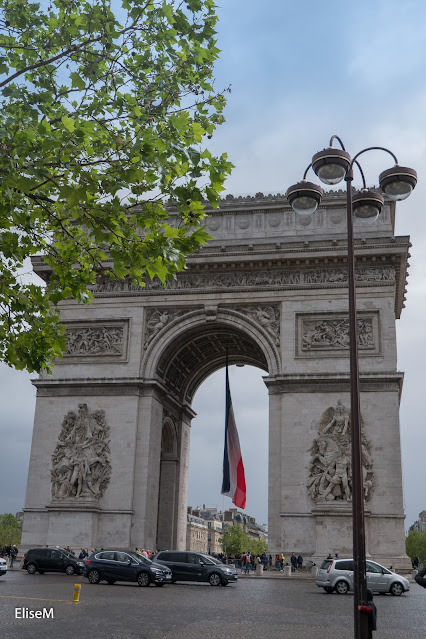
<point x="337" y="575"/>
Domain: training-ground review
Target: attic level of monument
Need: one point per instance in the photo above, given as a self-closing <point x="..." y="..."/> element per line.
<point x="256" y="247"/>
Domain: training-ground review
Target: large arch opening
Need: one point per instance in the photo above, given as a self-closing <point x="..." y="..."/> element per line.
<point x="190" y="358"/>
<point x="251" y="409"/>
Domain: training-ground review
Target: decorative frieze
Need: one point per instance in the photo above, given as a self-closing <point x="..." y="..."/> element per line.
<point x="97" y="340"/>
<point x="327" y="334"/>
<point x="330" y="468"/>
<point x="81" y="461"/>
<point x="279" y="278"/>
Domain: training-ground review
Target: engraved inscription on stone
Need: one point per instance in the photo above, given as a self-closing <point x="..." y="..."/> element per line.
<point x="95" y="340"/>
<point x="81" y="462"/>
<point x="330" y="468"/>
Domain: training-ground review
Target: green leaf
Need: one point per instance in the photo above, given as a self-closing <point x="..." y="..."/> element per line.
<point x="68" y="123"/>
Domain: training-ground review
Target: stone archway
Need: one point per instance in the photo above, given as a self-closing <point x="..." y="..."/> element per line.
<point x="272" y="288"/>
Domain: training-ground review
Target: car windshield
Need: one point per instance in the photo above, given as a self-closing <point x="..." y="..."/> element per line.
<point x="67" y="554"/>
<point x="140" y="558"/>
<point x="210" y="560"/>
<point x="325" y="564"/>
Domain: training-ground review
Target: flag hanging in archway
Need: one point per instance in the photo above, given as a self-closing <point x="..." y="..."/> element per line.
<point x="234" y="481"/>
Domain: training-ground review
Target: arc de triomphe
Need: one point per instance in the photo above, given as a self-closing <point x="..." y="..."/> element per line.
<point x="110" y="450"/>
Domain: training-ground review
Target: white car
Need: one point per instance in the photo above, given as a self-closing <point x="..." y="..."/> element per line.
<point x="3" y="566"/>
<point x="337" y="575"/>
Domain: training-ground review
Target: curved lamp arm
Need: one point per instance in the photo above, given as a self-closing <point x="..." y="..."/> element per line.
<point x="373" y="148"/>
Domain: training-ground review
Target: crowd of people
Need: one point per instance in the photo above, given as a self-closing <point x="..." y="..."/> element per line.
<point x="249" y="562"/>
<point x="9" y="553"/>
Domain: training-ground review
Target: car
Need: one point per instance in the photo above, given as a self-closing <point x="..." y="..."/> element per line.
<point x="337" y="575"/>
<point x="119" y="565"/>
<point x="3" y="566"/>
<point x="196" y="566"/>
<point x="51" y="560"/>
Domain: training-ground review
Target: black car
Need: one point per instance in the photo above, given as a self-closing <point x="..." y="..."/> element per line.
<point x="51" y="560"/>
<point x="196" y="566"/>
<point x="119" y="565"/>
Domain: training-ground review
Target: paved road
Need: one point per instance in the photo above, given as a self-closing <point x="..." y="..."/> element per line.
<point x="252" y="608"/>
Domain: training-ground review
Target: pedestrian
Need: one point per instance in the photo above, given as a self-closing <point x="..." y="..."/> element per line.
<point x="13" y="555"/>
<point x="299" y="562"/>
<point x="371" y="610"/>
<point x="282" y="561"/>
<point x="247" y="565"/>
<point x="415" y="563"/>
<point x="293" y="561"/>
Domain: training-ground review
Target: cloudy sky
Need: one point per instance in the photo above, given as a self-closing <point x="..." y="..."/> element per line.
<point x="300" y="72"/>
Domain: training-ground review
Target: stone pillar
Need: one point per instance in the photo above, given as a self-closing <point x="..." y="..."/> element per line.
<point x="147" y="470"/>
<point x="182" y="480"/>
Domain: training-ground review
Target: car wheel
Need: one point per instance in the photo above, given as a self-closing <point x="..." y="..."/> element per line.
<point x="41" y="571"/>
<point x="396" y="589"/>
<point x="341" y="588"/>
<point x="144" y="579"/>
<point x="70" y="570"/>
<point x="224" y="583"/>
<point x="328" y="590"/>
<point x="94" y="576"/>
<point x="31" y="569"/>
<point x="111" y="581"/>
<point x="214" y="579"/>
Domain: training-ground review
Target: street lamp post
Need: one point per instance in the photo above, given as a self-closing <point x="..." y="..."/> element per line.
<point x="331" y="166"/>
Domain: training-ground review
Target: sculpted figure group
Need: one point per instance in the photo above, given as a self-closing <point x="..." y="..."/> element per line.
<point x="330" y="474"/>
<point x="81" y="461"/>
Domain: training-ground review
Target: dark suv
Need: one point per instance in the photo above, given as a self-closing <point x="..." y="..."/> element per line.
<point x="51" y="560"/>
<point x="196" y="566"/>
<point x="119" y="565"/>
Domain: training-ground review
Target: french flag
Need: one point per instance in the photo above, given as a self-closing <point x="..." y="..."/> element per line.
<point x="234" y="481"/>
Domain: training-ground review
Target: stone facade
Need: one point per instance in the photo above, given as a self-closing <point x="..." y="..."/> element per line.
<point x="271" y="287"/>
<point x="420" y="524"/>
<point x="196" y="534"/>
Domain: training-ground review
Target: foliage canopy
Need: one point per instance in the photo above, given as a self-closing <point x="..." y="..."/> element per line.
<point x="415" y="544"/>
<point x="10" y="530"/>
<point x="105" y="109"/>
<point x="235" y="541"/>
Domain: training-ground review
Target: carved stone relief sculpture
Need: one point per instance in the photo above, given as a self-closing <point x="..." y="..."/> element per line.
<point x="81" y="461"/>
<point x="334" y="333"/>
<point x="157" y="319"/>
<point x="330" y="472"/>
<point x="268" y="317"/>
<point x="95" y="340"/>
<point x="243" y="279"/>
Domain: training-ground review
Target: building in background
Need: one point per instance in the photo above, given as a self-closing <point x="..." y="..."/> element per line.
<point x="210" y="520"/>
<point x="196" y="532"/>
<point x="420" y="524"/>
<point x="234" y="517"/>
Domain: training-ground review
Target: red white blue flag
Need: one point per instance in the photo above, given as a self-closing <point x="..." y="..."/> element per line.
<point x="234" y="481"/>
